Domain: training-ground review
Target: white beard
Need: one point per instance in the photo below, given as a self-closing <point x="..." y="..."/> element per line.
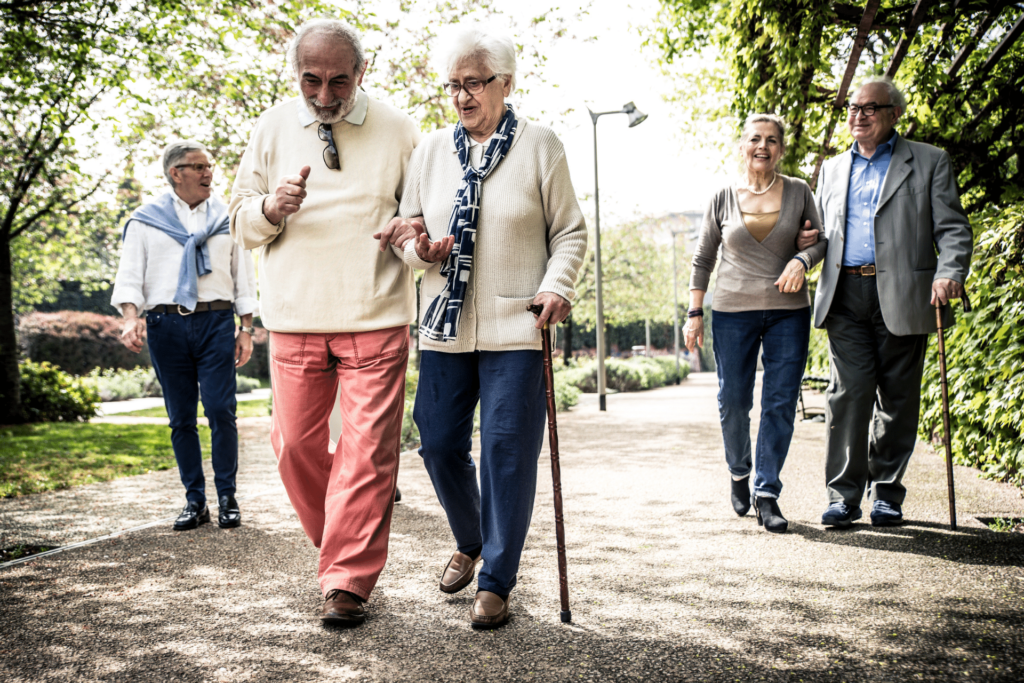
<point x="318" y="110"/>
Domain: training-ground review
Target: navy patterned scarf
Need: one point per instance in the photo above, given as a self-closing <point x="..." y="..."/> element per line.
<point x="441" y="321"/>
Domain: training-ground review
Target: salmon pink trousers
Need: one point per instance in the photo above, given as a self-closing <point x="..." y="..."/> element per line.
<point x="344" y="500"/>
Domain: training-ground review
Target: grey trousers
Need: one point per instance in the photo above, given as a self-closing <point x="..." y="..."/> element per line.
<point x="874" y="397"/>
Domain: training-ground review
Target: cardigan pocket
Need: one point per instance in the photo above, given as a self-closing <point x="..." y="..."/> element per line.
<point x="515" y="324"/>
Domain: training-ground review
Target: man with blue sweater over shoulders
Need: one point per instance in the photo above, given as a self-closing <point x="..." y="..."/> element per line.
<point x="180" y="267"/>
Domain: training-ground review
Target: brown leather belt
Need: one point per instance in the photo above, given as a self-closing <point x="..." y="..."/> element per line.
<point x="866" y="271"/>
<point x="201" y="307"/>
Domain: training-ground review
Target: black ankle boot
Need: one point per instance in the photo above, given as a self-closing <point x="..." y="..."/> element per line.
<point x="741" y="495"/>
<point x="769" y="515"/>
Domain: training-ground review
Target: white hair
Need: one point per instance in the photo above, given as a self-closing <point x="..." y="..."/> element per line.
<point x="895" y="96"/>
<point x="176" y="151"/>
<point x="327" y="27"/>
<point x="495" y="49"/>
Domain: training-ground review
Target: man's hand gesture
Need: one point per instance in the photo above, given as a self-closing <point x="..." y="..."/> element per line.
<point x="399" y="231"/>
<point x="287" y="197"/>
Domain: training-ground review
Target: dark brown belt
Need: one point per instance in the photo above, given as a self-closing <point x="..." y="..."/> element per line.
<point x="201" y="307"/>
<point x="867" y="271"/>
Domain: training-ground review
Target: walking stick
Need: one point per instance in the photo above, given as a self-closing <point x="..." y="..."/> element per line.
<point x="945" y="409"/>
<point x="556" y="471"/>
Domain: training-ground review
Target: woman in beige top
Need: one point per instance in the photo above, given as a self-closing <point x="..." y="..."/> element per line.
<point x="770" y="235"/>
<point x="500" y="229"/>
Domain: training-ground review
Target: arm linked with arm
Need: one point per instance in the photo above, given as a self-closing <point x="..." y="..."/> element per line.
<point x="816" y="253"/>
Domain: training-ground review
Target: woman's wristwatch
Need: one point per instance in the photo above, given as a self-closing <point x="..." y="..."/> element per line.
<point x="250" y="330"/>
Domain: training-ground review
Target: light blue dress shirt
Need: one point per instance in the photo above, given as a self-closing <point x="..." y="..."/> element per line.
<point x="866" y="178"/>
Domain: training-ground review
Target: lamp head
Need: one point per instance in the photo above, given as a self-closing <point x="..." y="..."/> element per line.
<point x="636" y="117"/>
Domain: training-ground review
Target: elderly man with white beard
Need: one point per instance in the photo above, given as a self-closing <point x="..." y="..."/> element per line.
<point x="321" y="175"/>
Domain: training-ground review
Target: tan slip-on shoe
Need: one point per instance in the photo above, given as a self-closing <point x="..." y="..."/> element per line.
<point x="341" y="609"/>
<point x="488" y="610"/>
<point x="459" y="572"/>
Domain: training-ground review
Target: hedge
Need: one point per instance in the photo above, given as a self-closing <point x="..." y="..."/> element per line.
<point x="76" y="341"/>
<point x="51" y="395"/>
<point x="633" y="374"/>
<point x="985" y="355"/>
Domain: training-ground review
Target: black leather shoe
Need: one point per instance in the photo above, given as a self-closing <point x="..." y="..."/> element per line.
<point x="192" y="516"/>
<point x="741" y="495"/>
<point x="228" y="514"/>
<point x="398" y="494"/>
<point x="769" y="515"/>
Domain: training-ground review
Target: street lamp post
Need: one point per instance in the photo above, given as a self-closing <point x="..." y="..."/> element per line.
<point x="636" y="117"/>
<point x="675" y="296"/>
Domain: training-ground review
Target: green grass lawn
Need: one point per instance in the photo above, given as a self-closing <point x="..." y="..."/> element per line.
<point x="56" y="455"/>
<point x="257" y="408"/>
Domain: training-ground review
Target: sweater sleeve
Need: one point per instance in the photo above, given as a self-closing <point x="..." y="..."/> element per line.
<point x="705" y="256"/>
<point x="411" y="205"/>
<point x="249" y="227"/>
<point x="567" y="230"/>
<point x="815" y="253"/>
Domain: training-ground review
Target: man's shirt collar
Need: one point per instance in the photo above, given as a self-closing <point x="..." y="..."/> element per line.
<point x="355" y="117"/>
<point x="180" y="203"/>
<point x="887" y="146"/>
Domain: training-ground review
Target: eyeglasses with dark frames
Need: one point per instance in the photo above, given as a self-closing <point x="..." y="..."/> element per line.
<point x="331" y="157"/>
<point x="867" y="109"/>
<point x="198" y="168"/>
<point x="472" y="86"/>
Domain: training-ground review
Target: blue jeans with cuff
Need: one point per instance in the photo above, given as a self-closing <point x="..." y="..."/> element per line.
<point x="194" y="356"/>
<point x="493" y="517"/>
<point x="737" y="337"/>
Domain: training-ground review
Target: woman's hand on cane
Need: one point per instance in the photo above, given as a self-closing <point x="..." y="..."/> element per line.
<point x="556" y="309"/>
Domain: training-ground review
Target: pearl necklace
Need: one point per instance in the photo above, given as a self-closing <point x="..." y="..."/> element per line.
<point x="752" y="191"/>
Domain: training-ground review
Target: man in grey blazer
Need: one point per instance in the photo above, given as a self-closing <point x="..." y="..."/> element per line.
<point x="898" y="242"/>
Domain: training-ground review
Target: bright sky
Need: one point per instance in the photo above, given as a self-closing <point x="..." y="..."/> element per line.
<point x="649" y="169"/>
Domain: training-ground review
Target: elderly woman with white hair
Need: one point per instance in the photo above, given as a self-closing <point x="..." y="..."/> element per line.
<point x="499" y="229"/>
<point x="767" y="227"/>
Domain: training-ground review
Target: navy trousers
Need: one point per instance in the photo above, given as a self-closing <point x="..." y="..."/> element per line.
<point x="782" y="336"/>
<point x="493" y="517"/>
<point x="194" y="356"/>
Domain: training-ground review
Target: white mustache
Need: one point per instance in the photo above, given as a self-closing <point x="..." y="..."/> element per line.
<point x="316" y="103"/>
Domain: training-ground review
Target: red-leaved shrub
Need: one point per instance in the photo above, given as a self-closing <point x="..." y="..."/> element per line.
<point x="76" y="341"/>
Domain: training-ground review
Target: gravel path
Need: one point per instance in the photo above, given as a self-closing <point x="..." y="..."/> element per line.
<point x="666" y="582"/>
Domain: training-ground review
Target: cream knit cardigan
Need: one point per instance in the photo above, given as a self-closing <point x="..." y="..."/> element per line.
<point x="320" y="270"/>
<point x="531" y="236"/>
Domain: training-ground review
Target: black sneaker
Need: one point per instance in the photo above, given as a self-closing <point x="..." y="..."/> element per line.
<point x="840" y="515"/>
<point x="192" y="516"/>
<point x="884" y="513"/>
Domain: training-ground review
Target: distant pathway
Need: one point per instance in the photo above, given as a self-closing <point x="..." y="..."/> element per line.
<point x="667" y="584"/>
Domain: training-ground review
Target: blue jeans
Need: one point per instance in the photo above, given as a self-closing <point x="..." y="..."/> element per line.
<point x="191" y="355"/>
<point x="737" y="337"/>
<point x="494" y="517"/>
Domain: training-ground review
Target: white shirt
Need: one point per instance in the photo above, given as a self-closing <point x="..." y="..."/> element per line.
<point x="147" y="275"/>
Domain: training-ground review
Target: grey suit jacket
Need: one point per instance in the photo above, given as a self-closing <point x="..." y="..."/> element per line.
<point x="921" y="233"/>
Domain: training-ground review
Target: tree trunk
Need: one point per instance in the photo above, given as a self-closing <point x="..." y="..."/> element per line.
<point x="10" y="383"/>
<point x="567" y="353"/>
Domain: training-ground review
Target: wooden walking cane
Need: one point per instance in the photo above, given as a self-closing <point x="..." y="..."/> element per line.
<point x="945" y="409"/>
<point x="556" y="471"/>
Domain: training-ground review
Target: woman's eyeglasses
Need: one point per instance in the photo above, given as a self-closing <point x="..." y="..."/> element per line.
<point x="331" y="157"/>
<point x="472" y="86"/>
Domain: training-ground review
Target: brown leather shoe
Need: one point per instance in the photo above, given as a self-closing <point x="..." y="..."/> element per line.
<point x="488" y="610"/>
<point x="459" y="572"/>
<point x="341" y="609"/>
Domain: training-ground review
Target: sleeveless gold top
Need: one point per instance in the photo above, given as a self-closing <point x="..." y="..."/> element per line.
<point x="760" y="224"/>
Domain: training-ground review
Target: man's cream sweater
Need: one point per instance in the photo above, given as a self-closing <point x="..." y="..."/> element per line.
<point x="530" y="238"/>
<point x="320" y="270"/>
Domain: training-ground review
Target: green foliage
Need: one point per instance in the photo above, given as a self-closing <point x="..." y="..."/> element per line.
<point x="410" y="432"/>
<point x="632" y="374"/>
<point x="121" y="385"/>
<point x="50" y="456"/>
<point x="817" y="354"/>
<point x="985" y="354"/>
<point x="49" y="394"/>
<point x="636" y="276"/>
